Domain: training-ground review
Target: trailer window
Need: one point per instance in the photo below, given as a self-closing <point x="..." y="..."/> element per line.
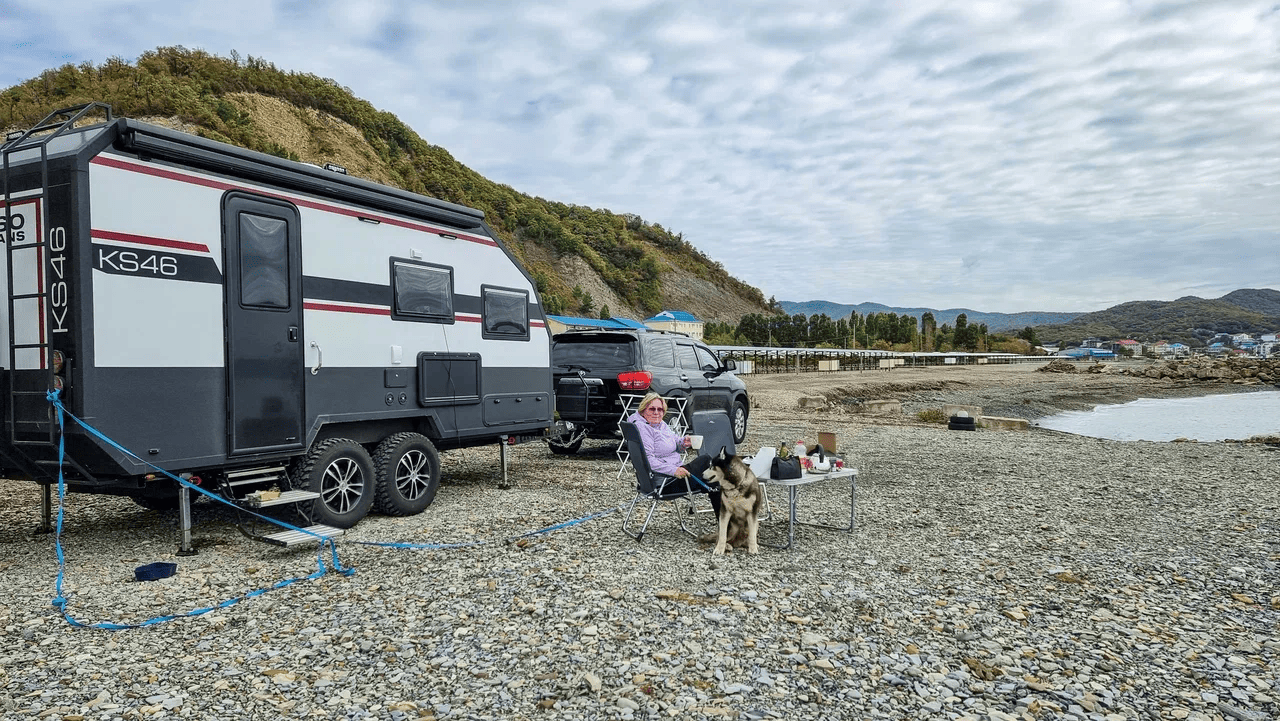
<point x="506" y="314"/>
<point x="422" y="292"/>
<point x="264" y="261"/>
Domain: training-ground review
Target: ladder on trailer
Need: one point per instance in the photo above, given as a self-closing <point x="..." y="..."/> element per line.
<point x="35" y="453"/>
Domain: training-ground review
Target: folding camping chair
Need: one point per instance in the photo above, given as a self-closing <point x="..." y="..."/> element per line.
<point x="717" y="432"/>
<point x="653" y="486"/>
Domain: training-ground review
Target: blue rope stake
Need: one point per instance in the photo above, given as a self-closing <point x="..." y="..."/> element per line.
<point x="61" y="602"/>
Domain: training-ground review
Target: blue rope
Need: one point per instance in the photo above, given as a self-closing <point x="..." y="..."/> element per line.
<point x="53" y="398"/>
<point x="702" y="483"/>
<point x="61" y="602"/>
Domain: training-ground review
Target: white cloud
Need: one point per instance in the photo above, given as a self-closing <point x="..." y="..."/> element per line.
<point x="1049" y="156"/>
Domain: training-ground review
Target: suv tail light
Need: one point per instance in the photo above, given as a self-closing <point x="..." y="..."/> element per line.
<point x="634" y="380"/>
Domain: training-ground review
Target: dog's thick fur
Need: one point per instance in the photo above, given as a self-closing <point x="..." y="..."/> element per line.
<point x="740" y="499"/>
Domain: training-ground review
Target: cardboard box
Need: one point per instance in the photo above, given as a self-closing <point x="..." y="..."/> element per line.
<point x="828" y="441"/>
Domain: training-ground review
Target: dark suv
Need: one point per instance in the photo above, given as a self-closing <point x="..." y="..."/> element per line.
<point x="594" y="369"/>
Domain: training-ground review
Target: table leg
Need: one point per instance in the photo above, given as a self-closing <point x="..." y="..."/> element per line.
<point x="853" y="499"/>
<point x="793" y="497"/>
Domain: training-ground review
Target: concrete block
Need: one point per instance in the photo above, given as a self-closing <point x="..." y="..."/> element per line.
<point x="883" y="406"/>
<point x="812" y="402"/>
<point x="1003" y="424"/>
<point x="952" y="409"/>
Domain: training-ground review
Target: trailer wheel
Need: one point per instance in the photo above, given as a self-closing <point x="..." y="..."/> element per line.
<point x="341" y="471"/>
<point x="408" y="468"/>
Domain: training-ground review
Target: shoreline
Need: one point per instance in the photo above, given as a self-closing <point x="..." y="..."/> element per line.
<point x="1015" y="391"/>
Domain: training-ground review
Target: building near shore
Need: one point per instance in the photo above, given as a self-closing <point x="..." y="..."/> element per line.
<point x="678" y="321"/>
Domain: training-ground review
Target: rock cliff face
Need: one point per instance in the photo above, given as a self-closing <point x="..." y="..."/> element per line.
<point x="1242" y="371"/>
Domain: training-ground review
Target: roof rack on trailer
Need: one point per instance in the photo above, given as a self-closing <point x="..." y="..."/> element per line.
<point x="15" y="139"/>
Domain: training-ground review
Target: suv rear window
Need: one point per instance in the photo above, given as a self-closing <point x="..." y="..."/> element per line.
<point x="594" y="355"/>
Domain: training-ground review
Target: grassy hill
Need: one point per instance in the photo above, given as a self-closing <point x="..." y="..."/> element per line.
<point x="1188" y="320"/>
<point x="582" y="258"/>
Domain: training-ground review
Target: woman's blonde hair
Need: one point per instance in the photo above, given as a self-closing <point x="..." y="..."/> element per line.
<point x="649" y="398"/>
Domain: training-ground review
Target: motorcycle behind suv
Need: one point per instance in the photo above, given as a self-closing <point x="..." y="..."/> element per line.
<point x="594" y="370"/>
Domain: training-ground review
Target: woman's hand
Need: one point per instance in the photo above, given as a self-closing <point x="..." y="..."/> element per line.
<point x="681" y="472"/>
<point x="687" y="441"/>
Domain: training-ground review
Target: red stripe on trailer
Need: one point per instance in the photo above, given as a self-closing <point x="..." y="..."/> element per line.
<point x="296" y="200"/>
<point x="148" y="240"/>
<point x="337" y="308"/>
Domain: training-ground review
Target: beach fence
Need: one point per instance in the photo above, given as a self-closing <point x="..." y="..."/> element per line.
<point x="752" y="359"/>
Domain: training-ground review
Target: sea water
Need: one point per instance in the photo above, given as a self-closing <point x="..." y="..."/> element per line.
<point x="1204" y="418"/>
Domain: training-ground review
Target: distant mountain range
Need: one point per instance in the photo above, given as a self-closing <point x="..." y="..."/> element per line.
<point x="994" y="321"/>
<point x="1189" y="320"/>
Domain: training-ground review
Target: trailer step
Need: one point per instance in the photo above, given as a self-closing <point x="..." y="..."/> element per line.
<point x="256" y="475"/>
<point x="262" y="499"/>
<point x="286" y="539"/>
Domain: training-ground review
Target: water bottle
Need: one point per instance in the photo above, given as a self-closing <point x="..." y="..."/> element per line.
<point x="799" y="449"/>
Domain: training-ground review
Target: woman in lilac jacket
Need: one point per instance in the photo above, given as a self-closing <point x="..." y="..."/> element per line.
<point x="662" y="446"/>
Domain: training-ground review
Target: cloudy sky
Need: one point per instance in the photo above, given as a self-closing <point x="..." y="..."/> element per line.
<point x="1001" y="156"/>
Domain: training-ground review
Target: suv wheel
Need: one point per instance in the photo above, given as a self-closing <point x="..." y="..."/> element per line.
<point x="739" y="421"/>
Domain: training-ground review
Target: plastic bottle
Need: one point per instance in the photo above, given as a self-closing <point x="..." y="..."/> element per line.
<point x="799" y="449"/>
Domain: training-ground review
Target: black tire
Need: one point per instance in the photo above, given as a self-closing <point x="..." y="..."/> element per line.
<point x="408" y="468"/>
<point x="962" y="426"/>
<point x="963" y="420"/>
<point x="566" y="445"/>
<point x="341" y="471"/>
<point x="739" y="422"/>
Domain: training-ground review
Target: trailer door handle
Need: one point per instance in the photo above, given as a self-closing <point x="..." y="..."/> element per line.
<point x="319" y="358"/>
<point x="293" y="334"/>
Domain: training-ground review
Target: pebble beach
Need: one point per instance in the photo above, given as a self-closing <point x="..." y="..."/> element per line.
<point x="990" y="575"/>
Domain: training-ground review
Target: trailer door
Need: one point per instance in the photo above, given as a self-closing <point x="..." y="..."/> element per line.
<point x="263" y="261"/>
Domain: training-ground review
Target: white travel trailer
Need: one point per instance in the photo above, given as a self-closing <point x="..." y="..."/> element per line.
<point x="251" y="321"/>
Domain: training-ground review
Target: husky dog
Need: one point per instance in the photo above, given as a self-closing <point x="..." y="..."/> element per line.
<point x="740" y="500"/>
